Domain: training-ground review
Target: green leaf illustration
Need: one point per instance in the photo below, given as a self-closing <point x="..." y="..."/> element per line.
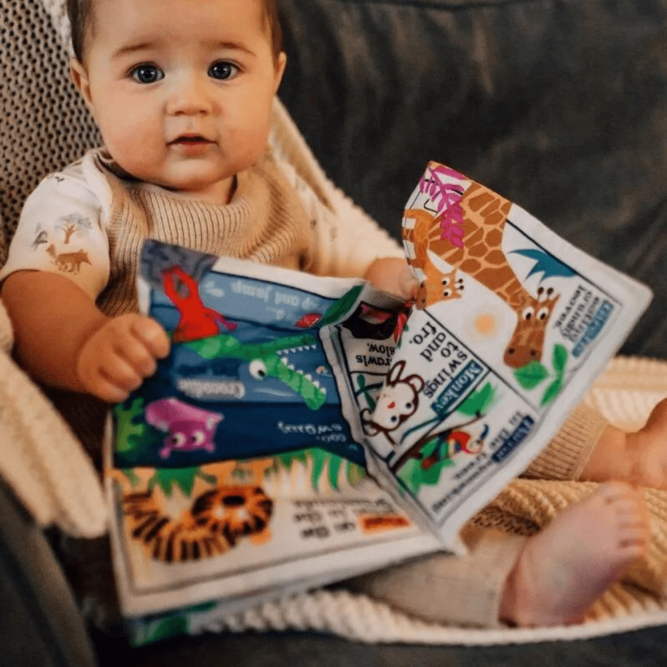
<point x="414" y="476"/>
<point x="160" y="629"/>
<point x="132" y="476"/>
<point x="128" y="433"/>
<point x="341" y="307"/>
<point x="170" y="625"/>
<point x="355" y="473"/>
<point x="531" y="375"/>
<point x="335" y="463"/>
<point x="559" y="358"/>
<point x="183" y="478"/>
<point x="364" y="390"/>
<point x="552" y="391"/>
<point x="320" y="460"/>
<point x="479" y="401"/>
<point x="285" y="460"/>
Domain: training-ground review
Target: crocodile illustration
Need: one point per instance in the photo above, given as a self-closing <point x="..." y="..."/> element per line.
<point x="266" y="360"/>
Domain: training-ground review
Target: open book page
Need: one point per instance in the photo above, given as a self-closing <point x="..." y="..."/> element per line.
<point x="233" y="473"/>
<point x="510" y="327"/>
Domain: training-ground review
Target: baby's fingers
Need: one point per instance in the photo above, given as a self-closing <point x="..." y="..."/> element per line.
<point x="152" y="336"/>
<point x="121" y="374"/>
<point x="393" y="275"/>
<point x="137" y="352"/>
<point x="106" y="390"/>
<point x="109" y="378"/>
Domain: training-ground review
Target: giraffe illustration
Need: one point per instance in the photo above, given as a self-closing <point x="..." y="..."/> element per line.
<point x="482" y="258"/>
<point x="434" y="284"/>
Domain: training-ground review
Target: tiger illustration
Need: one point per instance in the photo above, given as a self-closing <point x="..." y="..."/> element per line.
<point x="213" y="524"/>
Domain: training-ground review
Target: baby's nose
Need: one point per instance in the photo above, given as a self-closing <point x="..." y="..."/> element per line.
<point x="189" y="96"/>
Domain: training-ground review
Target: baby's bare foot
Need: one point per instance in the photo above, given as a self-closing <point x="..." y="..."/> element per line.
<point x="565" y="568"/>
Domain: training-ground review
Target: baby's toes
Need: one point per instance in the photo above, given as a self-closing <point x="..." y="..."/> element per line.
<point x="633" y="522"/>
<point x="614" y="492"/>
<point x="634" y="537"/>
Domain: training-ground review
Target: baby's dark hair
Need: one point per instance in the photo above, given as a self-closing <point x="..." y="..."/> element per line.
<point x="80" y="14"/>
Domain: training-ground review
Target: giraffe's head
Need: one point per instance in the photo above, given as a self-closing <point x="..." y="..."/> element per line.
<point x="528" y="337"/>
<point x="438" y="286"/>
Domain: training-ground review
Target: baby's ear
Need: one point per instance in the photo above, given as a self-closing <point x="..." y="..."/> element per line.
<point x="281" y="62"/>
<point x="80" y="78"/>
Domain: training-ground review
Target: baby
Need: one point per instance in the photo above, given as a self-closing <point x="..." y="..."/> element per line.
<point x="182" y="93"/>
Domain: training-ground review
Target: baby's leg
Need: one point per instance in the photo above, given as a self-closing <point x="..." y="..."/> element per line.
<point x="566" y="567"/>
<point x="450" y="590"/>
<point x="637" y="458"/>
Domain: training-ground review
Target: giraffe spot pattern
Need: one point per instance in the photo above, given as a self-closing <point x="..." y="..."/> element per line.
<point x="496" y="258"/>
<point x="471" y="266"/>
<point x="496" y="279"/>
<point x="494" y="238"/>
<point x="476" y="237"/>
<point x="478" y="250"/>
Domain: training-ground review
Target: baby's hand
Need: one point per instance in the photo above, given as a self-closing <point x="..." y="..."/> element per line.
<point x="393" y="275"/>
<point x="119" y="355"/>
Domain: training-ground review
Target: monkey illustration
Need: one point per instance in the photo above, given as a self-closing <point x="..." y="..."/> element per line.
<point x="397" y="402"/>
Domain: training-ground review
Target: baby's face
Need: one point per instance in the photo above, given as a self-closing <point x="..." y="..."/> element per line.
<point x="181" y="89"/>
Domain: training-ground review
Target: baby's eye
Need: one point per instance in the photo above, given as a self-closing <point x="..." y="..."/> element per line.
<point x="223" y="70"/>
<point x="147" y="73"/>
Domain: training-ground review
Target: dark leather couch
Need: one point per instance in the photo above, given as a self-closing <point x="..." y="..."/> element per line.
<point x="560" y="105"/>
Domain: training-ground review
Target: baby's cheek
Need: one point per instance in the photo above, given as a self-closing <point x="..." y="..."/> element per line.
<point x="135" y="144"/>
<point x="141" y="159"/>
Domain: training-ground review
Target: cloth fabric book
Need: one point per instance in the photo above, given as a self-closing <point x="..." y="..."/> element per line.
<point x="306" y="429"/>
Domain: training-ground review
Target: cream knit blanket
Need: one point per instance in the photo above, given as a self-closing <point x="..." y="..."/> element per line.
<point x="40" y="458"/>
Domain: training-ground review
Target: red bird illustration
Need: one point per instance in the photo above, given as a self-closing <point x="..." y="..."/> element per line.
<point x="197" y="320"/>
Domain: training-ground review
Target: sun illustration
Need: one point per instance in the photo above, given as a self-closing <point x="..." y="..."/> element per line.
<point x="485" y="324"/>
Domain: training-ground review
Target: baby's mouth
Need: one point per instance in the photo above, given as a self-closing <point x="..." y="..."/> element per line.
<point x="190" y="139"/>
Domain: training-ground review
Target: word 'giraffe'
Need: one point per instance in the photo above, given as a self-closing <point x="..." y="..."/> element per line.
<point x="481" y="257"/>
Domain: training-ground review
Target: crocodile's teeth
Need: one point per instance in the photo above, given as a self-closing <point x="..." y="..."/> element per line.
<point x="308" y="377"/>
<point x="291" y="367"/>
<point x="283" y="360"/>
